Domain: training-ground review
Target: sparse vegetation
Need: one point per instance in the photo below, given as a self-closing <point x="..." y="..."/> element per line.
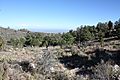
<point x="74" y="55"/>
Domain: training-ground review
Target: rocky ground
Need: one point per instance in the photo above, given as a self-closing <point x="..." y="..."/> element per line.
<point x="54" y="63"/>
<point x="28" y="63"/>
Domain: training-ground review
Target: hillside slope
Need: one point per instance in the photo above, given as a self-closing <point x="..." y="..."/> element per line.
<point x="8" y="33"/>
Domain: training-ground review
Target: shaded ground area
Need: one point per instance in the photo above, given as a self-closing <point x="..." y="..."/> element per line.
<point x="85" y="64"/>
<point x="74" y="61"/>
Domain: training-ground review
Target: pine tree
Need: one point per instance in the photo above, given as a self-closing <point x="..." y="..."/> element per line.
<point x="100" y="37"/>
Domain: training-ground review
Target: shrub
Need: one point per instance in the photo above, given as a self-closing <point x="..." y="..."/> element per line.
<point x="1" y="43"/>
<point x="105" y="71"/>
<point x="101" y="36"/>
<point x="17" y="42"/>
<point x="21" y="42"/>
<point x="14" y="42"/>
<point x="4" y="71"/>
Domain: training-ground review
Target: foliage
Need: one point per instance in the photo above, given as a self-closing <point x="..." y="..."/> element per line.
<point x="1" y="43"/>
<point x="102" y="26"/>
<point x="17" y="42"/>
<point x="21" y="42"/>
<point x="100" y="37"/>
<point x="118" y="32"/>
<point x="110" y="25"/>
<point x="86" y="35"/>
<point x="33" y="40"/>
<point x="102" y="72"/>
<point x="68" y="39"/>
<point x="82" y="34"/>
<point x="117" y="27"/>
<point x="45" y="41"/>
<point x="14" y="42"/>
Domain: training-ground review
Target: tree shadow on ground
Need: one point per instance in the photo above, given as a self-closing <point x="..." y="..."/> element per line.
<point x="101" y="55"/>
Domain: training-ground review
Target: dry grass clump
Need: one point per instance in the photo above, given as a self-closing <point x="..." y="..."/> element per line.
<point x="4" y="71"/>
<point x="106" y="71"/>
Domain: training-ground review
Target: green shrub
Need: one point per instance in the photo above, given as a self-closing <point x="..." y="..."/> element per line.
<point x="101" y="36"/>
<point x="21" y="42"/>
<point x="14" y="42"/>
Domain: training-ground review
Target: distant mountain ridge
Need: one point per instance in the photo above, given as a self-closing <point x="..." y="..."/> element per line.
<point x="8" y="33"/>
<point x="49" y="30"/>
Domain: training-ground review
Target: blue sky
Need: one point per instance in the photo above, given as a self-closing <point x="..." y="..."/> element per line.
<point x="48" y="15"/>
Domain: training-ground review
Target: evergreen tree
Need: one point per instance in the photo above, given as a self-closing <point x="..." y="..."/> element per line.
<point x="86" y="35"/>
<point x="100" y="37"/>
<point x="69" y="39"/>
<point x="110" y="25"/>
<point x="117" y="28"/>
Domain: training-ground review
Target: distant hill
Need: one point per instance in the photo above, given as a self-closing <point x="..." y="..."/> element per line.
<point x="8" y="33"/>
<point x="49" y="30"/>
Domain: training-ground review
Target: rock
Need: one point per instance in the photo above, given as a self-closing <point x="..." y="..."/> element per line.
<point x="72" y="72"/>
<point x="119" y="77"/>
<point x="82" y="54"/>
<point x="86" y="77"/>
<point x="32" y="65"/>
<point x="17" y="67"/>
<point x="52" y="69"/>
<point x="116" y="68"/>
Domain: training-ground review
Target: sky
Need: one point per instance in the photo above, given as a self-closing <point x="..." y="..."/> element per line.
<point x="56" y="15"/>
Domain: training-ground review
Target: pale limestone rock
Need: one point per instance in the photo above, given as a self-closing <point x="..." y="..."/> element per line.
<point x="116" y="68"/>
<point x="32" y="65"/>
